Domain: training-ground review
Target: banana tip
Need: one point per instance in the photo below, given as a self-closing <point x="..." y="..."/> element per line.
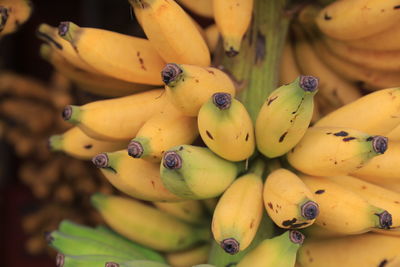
<point x="111" y="264"/>
<point x="230" y="245"/>
<point x="385" y="220"/>
<point x="170" y="73"/>
<point x="222" y="100"/>
<point x="60" y="260"/>
<point x="308" y="83"/>
<point x="310" y="210"/>
<point x="100" y="160"/>
<point x="296" y="237"/>
<point x="63" y="28"/>
<point x="135" y="149"/>
<point x="67" y="113"/>
<point x="231" y="52"/>
<point x="3" y="16"/>
<point x="48" y="237"/>
<point x="172" y="160"/>
<point x="380" y="144"/>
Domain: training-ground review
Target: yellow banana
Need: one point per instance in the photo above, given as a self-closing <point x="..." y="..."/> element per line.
<point x="13" y="13"/>
<point x="335" y="90"/>
<point x="375" y="113"/>
<point x="378" y="60"/>
<point x="226" y="127"/>
<point x="285" y="116"/>
<point x="327" y="151"/>
<point x="171" y="32"/>
<point x="288" y="201"/>
<point x="279" y="251"/>
<point x="94" y="83"/>
<point x="189" y="87"/>
<point x="162" y="131"/>
<point x="117" y="118"/>
<point x="349" y="20"/>
<point x="233" y="19"/>
<point x="131" y="59"/>
<point x="342" y="210"/>
<point x="191" y="211"/>
<point x="394" y="134"/>
<point x="196" y="172"/>
<point x="203" y="8"/>
<point x="289" y="70"/>
<point x="238" y="213"/>
<point x="374" y="194"/>
<point x="135" y="177"/>
<point x="359" y="250"/>
<point x="190" y="257"/>
<point x="212" y="37"/>
<point x="76" y="143"/>
<point x="141" y="223"/>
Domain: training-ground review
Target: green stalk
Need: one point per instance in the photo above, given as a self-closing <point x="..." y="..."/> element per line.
<point x="255" y="68"/>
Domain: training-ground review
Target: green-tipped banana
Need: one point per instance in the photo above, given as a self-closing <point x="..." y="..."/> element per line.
<point x="77" y="246"/>
<point x="147" y="225"/>
<point x="86" y="260"/>
<point x="226" y="127"/>
<point x="136" y="177"/>
<point x="137" y="263"/>
<point x="196" y="172"/>
<point x="117" y="241"/>
<point x="279" y="251"/>
<point x="285" y="116"/>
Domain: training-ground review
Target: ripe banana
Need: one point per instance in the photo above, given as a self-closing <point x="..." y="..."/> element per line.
<point x="131" y="59"/>
<point x="349" y="20"/>
<point x="86" y="260"/>
<point x="285" y="116"/>
<point x="375" y="113"/>
<point x="349" y="251"/>
<point x="233" y="19"/>
<point x="289" y="71"/>
<point x="279" y="251"/>
<point x="77" y="144"/>
<point x="342" y="210"/>
<point x="193" y="172"/>
<point x="162" y="131"/>
<point x="171" y="32"/>
<point x="203" y="8"/>
<point x="116" y="119"/>
<point x="189" y="257"/>
<point x="238" y="213"/>
<point x="191" y="211"/>
<point x="135" y="177"/>
<point x="141" y="223"/>
<point x="288" y="201"/>
<point x="189" y="87"/>
<point x="139" y="252"/>
<point x="374" y="194"/>
<point x="212" y="37"/>
<point x="226" y="127"/>
<point x="13" y="13"/>
<point x="327" y="151"/>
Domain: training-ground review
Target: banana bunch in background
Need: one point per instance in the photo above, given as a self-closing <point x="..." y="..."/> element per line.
<point x="321" y="157"/>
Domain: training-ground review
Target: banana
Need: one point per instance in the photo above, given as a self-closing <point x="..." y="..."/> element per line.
<point x="382" y="169"/>
<point x="189" y="257"/>
<point x="135" y="177"/>
<point x="193" y="172"/>
<point x="203" y="8"/>
<point x="289" y="70"/>
<point x="171" y="32"/>
<point x="116" y="119"/>
<point x="288" y="201"/>
<point x="238" y="213"/>
<point x="327" y="151"/>
<point x="85" y="260"/>
<point x="332" y="88"/>
<point x="226" y="127"/>
<point x="77" y="246"/>
<point x="349" y="251"/>
<point x="279" y="251"/>
<point x="94" y="83"/>
<point x="285" y="116"/>
<point x="139" y="252"/>
<point x="212" y="37"/>
<point x="394" y="134"/>
<point x="131" y="58"/>
<point x="141" y="223"/>
<point x="375" y="113"/>
<point x="77" y="144"/>
<point x="189" y="87"/>
<point x="137" y="263"/>
<point x="191" y="211"/>
<point x="342" y="210"/>
<point x="14" y="13"/>
<point x="378" y="60"/>
<point x="162" y="131"/>
<point x="349" y="20"/>
<point x="233" y="19"/>
<point x="374" y="194"/>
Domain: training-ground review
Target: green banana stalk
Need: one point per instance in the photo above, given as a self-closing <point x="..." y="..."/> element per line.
<point x="285" y="116"/>
<point x="196" y="172"/>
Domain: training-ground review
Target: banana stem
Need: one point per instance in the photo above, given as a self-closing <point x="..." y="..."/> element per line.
<point x="258" y="167"/>
<point x="255" y="68"/>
